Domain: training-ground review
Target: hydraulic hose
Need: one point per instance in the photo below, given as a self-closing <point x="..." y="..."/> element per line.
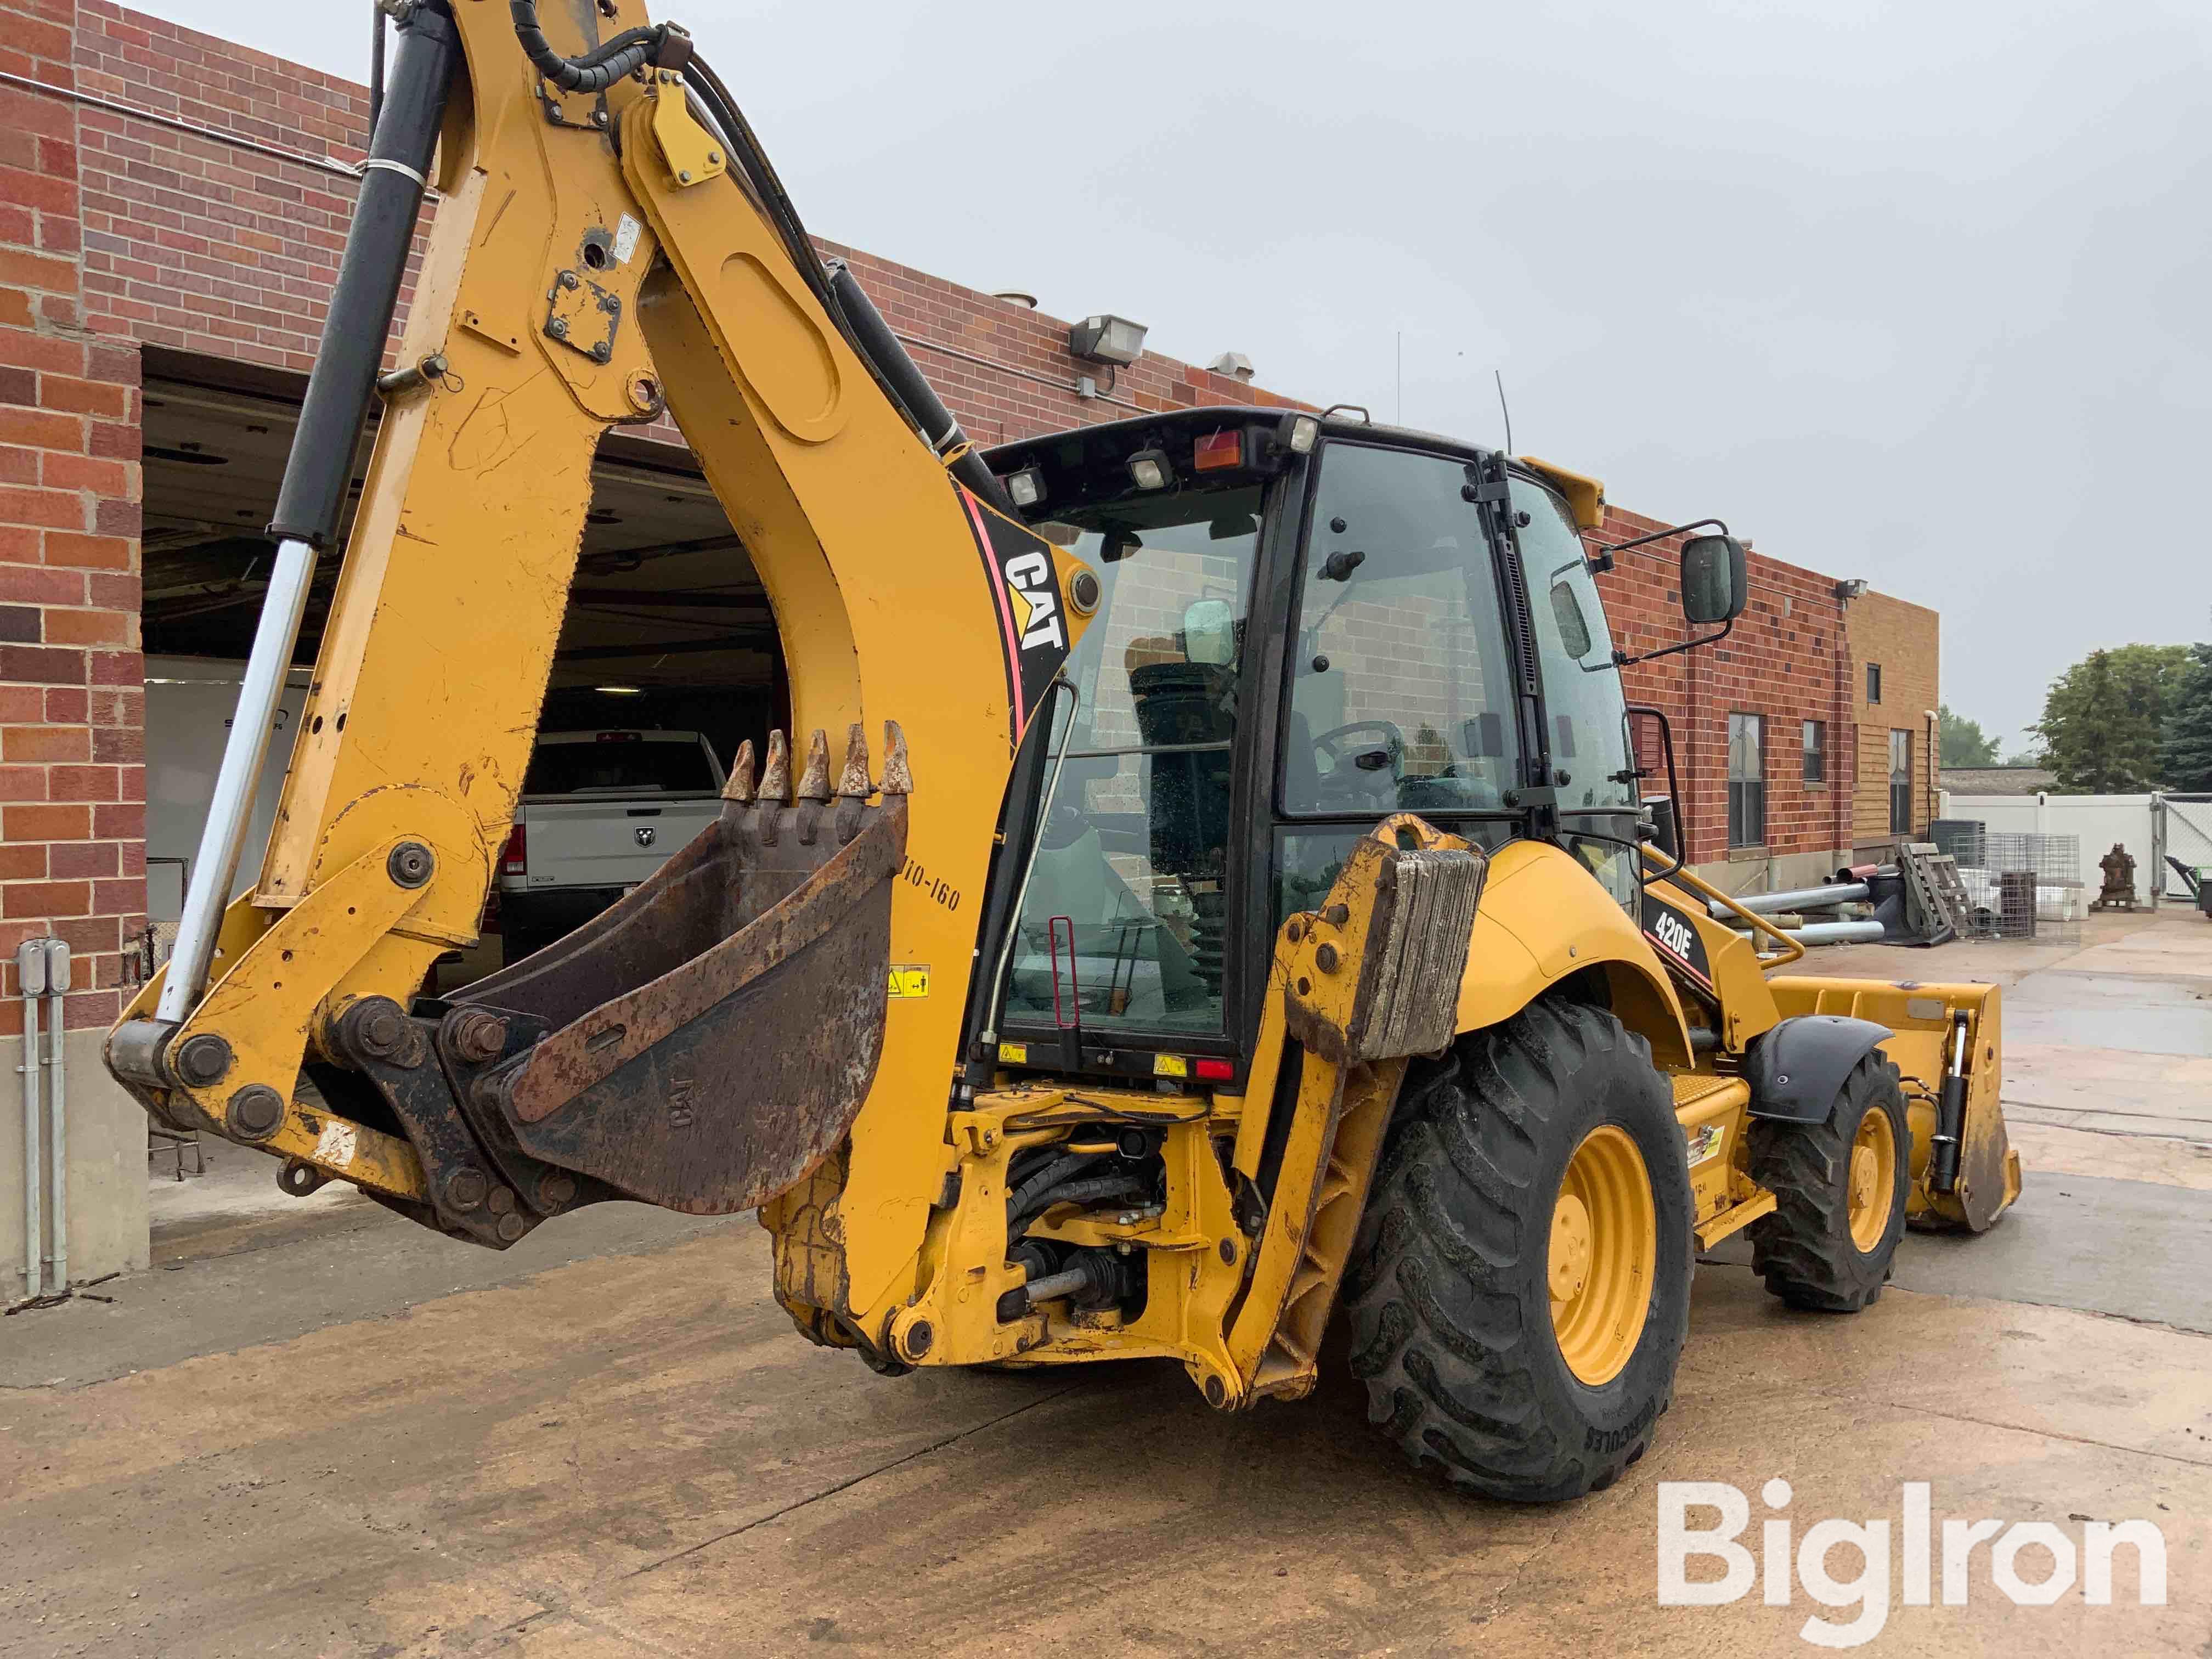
<point x="1081" y="1192"/>
<point x="841" y="295"/>
<point x="668" y="46"/>
<point x="662" y="44"/>
<point x="1055" y="1171"/>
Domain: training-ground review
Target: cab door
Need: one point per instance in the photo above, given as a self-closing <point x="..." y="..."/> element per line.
<point x="1400" y="680"/>
<point x="1585" y="732"/>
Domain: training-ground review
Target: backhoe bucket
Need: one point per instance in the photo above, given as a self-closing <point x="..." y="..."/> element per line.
<point x="705" y="1042"/>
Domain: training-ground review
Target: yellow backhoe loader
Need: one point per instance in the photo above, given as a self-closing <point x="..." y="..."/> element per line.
<point x="1221" y="879"/>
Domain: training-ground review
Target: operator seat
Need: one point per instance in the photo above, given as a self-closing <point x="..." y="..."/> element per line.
<point x="1179" y="703"/>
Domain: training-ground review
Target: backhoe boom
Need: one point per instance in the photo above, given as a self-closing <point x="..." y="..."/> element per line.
<point x="705" y="1043"/>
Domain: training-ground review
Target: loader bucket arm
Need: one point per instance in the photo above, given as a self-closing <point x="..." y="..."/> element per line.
<point x="607" y="248"/>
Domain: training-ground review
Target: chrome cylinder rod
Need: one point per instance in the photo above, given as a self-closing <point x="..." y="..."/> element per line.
<point x="222" y="838"/>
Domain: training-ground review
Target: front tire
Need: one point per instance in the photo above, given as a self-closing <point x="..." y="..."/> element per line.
<point x="1520" y="1292"/>
<point x="1839" y="1190"/>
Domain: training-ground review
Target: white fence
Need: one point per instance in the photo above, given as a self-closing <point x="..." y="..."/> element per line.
<point x="2138" y="822"/>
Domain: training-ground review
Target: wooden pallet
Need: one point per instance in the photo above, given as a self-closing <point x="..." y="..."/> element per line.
<point x="1931" y="877"/>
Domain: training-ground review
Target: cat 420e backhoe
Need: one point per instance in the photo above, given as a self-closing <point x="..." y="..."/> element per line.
<point x="1231" y="891"/>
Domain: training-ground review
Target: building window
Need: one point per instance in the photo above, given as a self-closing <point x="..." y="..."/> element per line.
<point x="1747" y="787"/>
<point x="1900" y="783"/>
<point x="1873" y="682"/>
<point x="1816" y="751"/>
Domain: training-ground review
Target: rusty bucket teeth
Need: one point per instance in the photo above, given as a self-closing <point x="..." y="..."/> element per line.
<point x="740" y="787"/>
<point x="776" y="781"/>
<point x="814" y="781"/>
<point x="853" y="780"/>
<point x="898" y="775"/>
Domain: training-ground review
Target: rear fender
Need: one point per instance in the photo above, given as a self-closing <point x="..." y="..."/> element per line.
<point x="1545" y="917"/>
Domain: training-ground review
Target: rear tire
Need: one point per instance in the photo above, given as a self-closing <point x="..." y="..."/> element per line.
<point x="1827" y="1246"/>
<point x="1454" y="1327"/>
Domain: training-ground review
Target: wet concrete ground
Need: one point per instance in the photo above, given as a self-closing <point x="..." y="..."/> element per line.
<point x="608" y="1440"/>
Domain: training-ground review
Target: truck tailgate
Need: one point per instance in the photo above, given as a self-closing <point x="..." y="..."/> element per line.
<point x="611" y="843"/>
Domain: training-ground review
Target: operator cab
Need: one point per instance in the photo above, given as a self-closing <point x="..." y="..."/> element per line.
<point x="1304" y="624"/>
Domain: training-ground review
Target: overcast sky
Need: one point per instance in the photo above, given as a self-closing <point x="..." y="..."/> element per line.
<point x="1918" y="293"/>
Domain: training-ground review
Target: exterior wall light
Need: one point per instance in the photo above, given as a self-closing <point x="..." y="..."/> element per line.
<point x="1107" y="339"/>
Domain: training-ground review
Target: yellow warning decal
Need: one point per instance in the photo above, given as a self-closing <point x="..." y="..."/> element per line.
<point x="1014" y="1054"/>
<point x="1170" y="1065"/>
<point x="1704" y="1141"/>
<point x="910" y="979"/>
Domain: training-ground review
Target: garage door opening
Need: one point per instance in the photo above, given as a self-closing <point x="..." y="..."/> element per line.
<point x="667" y="631"/>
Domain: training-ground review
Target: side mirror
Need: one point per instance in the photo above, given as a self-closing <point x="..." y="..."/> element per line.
<point x="1714" y="585"/>
<point x="1209" y="632"/>
<point x="1574" y="629"/>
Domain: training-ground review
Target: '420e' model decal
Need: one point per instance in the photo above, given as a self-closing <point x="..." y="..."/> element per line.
<point x="1026" y="588"/>
<point x="1676" y="937"/>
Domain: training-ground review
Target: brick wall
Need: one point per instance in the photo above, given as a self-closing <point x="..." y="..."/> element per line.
<point x="1902" y="639"/>
<point x="197" y="244"/>
<point x="72" y="701"/>
<point x="1787" y="660"/>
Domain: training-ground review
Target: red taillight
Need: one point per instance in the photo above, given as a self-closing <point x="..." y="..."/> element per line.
<point x="1215" y="1071"/>
<point x="515" y="860"/>
<point x="1216" y="450"/>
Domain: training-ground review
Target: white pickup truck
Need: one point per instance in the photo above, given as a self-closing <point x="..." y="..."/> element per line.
<point x="599" y="812"/>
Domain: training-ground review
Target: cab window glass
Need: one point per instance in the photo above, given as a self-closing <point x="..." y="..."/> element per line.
<point x="1123" y="922"/>
<point x="1400" y="687"/>
<point x="1582" y="688"/>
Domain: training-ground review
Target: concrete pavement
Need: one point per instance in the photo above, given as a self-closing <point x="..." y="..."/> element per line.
<point x="371" y="1442"/>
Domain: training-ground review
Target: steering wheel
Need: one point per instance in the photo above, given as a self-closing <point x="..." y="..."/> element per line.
<point x="1362" y="772"/>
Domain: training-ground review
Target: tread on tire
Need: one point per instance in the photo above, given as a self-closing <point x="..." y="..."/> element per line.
<point x="1447" y="1297"/>
<point x="1804" y="1249"/>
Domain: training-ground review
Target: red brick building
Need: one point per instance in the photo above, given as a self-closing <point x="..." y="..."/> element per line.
<point x="171" y="210"/>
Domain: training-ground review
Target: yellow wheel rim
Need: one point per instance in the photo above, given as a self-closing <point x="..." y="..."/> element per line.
<point x="1873" y="1179"/>
<point x="1604" y="1255"/>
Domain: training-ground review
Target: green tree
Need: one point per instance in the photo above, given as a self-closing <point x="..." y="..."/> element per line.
<point x="2185" y="758"/>
<point x="1964" y="742"/>
<point x="2103" y="719"/>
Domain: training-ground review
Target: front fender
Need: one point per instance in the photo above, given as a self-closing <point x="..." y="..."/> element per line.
<point x="1543" y="917"/>
<point x="1797" y="1068"/>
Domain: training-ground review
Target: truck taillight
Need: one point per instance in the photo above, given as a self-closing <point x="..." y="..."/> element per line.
<point x="515" y="860"/>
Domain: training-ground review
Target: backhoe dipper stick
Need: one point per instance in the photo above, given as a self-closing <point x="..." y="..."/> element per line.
<point x="313" y="498"/>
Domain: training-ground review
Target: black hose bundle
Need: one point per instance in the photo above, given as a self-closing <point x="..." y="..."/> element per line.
<point x="663" y="44"/>
<point x="1088" y="1191"/>
<point x="1039" y="1182"/>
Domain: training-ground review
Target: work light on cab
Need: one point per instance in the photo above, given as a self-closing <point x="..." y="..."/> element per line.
<point x="1026" y="487"/>
<point x="1150" y="469"/>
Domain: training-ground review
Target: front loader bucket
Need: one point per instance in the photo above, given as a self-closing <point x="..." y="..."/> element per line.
<point x="705" y="1042"/>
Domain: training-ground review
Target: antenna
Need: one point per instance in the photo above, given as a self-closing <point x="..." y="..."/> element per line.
<point x="1499" y="374"/>
<point x="1398" y="418"/>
